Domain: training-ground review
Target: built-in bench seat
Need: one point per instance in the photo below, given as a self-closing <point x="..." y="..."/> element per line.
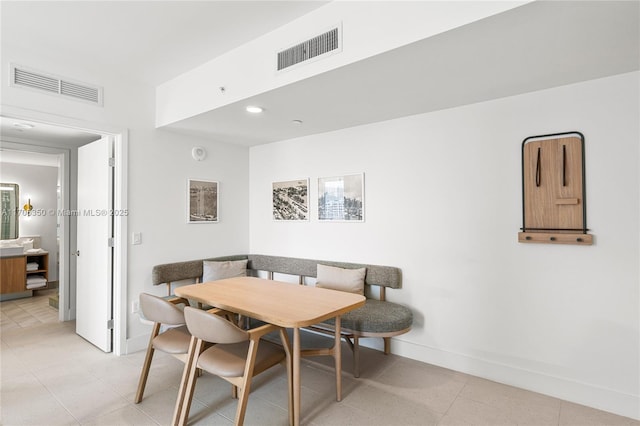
<point x="377" y="318"/>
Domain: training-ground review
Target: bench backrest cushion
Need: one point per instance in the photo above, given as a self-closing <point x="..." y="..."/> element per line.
<point x="178" y="271"/>
<point x="386" y="276"/>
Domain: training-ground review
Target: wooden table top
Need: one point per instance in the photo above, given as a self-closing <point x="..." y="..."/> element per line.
<point x="283" y="304"/>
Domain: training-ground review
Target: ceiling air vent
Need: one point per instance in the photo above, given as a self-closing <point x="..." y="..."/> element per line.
<point x="27" y="78"/>
<point x="322" y="44"/>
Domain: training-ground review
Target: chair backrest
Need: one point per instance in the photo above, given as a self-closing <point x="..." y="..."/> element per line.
<point x="213" y="328"/>
<point x="157" y="309"/>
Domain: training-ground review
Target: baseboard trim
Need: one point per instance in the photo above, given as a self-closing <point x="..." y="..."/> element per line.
<point x="13" y="296"/>
<point x="609" y="400"/>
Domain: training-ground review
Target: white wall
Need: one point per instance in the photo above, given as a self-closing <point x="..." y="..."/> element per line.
<point x="40" y="184"/>
<point x="159" y="164"/>
<point x="443" y="202"/>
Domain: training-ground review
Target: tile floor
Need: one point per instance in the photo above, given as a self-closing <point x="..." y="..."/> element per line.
<point x="50" y="376"/>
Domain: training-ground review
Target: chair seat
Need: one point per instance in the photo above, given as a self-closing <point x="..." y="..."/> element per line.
<point x="229" y="360"/>
<point x="376" y="317"/>
<point x="173" y="341"/>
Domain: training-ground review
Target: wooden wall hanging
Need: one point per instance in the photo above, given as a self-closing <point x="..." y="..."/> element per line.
<point x="553" y="190"/>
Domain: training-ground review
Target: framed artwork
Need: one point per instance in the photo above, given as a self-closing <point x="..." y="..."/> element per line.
<point x="291" y="200"/>
<point x="341" y="198"/>
<point x="202" y="201"/>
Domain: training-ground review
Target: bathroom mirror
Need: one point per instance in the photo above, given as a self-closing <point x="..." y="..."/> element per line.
<point x="9" y="196"/>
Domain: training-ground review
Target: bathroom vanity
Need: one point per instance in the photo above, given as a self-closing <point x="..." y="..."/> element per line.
<point x="24" y="266"/>
<point x="14" y="273"/>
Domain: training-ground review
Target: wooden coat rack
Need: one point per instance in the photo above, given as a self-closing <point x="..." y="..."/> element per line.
<point x="553" y="190"/>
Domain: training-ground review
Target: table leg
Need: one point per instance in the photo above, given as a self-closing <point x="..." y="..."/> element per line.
<point x="296" y="376"/>
<point x="338" y="360"/>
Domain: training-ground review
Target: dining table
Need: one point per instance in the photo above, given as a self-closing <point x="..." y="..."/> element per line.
<point x="287" y="305"/>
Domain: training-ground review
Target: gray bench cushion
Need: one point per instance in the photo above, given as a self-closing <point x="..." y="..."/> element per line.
<point x="377" y="317"/>
<point x="386" y="276"/>
<point x="178" y="271"/>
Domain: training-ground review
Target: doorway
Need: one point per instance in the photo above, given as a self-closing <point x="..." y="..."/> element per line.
<point x="52" y="143"/>
<point x="35" y="182"/>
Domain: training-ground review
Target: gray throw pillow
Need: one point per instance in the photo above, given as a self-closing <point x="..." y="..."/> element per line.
<point x="213" y="270"/>
<point x="349" y="280"/>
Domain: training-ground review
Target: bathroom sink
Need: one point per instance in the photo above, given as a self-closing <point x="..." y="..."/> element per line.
<point x="11" y="250"/>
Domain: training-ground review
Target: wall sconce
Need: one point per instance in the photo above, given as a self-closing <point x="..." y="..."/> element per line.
<point x="28" y="207"/>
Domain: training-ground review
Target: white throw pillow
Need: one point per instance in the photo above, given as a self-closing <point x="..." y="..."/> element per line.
<point x="349" y="280"/>
<point x="213" y="270"/>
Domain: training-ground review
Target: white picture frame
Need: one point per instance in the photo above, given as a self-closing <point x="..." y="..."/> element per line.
<point x="202" y="201"/>
<point x="341" y="198"/>
<point x="290" y="200"/>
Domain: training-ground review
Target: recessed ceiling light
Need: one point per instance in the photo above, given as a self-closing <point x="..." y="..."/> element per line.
<point x="254" y="109"/>
<point x="23" y="125"/>
<point x="296" y="121"/>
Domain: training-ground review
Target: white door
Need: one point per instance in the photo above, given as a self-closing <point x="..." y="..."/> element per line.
<point x="94" y="271"/>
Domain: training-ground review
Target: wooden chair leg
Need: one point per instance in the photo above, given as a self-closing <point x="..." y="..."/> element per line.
<point x="387" y="345"/>
<point x="242" y="401"/>
<point x="246" y="382"/>
<point x="190" y="385"/>
<point x="146" y="366"/>
<point x="182" y="391"/>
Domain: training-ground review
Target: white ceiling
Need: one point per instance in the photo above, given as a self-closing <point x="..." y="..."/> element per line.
<point x="13" y="130"/>
<point x="31" y="158"/>
<point x="533" y="47"/>
<point x="152" y="41"/>
<point x="537" y="46"/>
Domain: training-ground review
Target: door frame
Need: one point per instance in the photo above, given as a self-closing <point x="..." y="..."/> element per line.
<point x="120" y="191"/>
